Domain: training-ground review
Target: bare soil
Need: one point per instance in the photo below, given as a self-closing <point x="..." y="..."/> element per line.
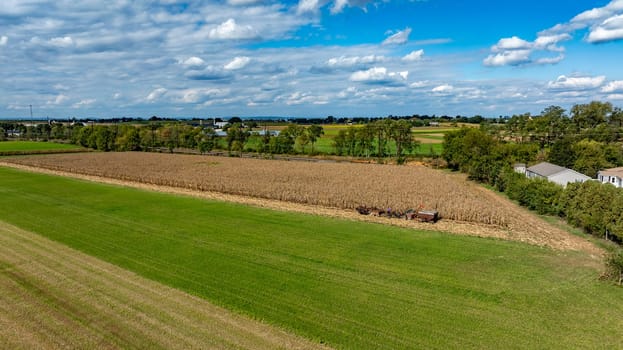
<point x="54" y="297"/>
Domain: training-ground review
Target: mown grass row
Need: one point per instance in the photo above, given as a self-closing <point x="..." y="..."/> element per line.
<point x="351" y="285"/>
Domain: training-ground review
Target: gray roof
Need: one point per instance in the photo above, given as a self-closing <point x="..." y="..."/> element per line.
<point x="546" y="169"/>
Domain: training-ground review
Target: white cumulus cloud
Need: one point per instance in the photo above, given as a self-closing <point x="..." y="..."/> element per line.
<point x="419" y="84"/>
<point x="307" y="6"/>
<point x="3" y="40"/>
<point x="599" y="13"/>
<point x="339" y="5"/>
<point x="550" y="60"/>
<point x="65" y="41"/>
<point x="201" y="95"/>
<point x="378" y="74"/>
<point x="345" y="62"/>
<point x="84" y="103"/>
<point x="613" y="86"/>
<point x="609" y="30"/>
<point x="242" y="2"/>
<point x="58" y="100"/>
<point x="576" y="83"/>
<point x="414" y="56"/>
<point x="512" y="43"/>
<point x="549" y="42"/>
<point x="604" y="24"/>
<point x="156" y="94"/>
<point x="237" y="63"/>
<point x="508" y="58"/>
<point x="193" y="62"/>
<point x="399" y="38"/>
<point x="445" y="89"/>
<point x="230" y="30"/>
<point x="515" y="51"/>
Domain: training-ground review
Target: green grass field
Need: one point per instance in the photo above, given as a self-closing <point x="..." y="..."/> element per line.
<point x="352" y="285"/>
<point x="7" y="147"/>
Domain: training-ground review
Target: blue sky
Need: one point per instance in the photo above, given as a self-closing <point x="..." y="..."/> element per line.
<point x="306" y="58"/>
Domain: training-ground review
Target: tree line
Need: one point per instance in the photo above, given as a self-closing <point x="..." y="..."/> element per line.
<point x="381" y="138"/>
<point x="587" y="140"/>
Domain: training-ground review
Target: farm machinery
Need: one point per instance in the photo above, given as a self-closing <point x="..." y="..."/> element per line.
<point x="411" y="214"/>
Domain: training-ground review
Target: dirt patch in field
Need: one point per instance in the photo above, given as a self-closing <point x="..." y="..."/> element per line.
<point x="528" y="228"/>
<point x="52" y="297"/>
<point x="427" y="141"/>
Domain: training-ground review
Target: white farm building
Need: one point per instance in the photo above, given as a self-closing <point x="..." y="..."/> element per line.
<point x="555" y="173"/>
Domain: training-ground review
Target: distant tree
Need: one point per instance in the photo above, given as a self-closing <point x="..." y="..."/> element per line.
<point x="104" y="140"/>
<point x="590" y="115"/>
<point x="591" y="157"/>
<point x="475" y="153"/>
<point x="303" y="140"/>
<point x="365" y="139"/>
<point x="59" y="131"/>
<point x="314" y="132"/>
<point x="382" y="130"/>
<point x="236" y="133"/>
<point x="133" y="140"/>
<point x="602" y="132"/>
<point x="128" y="139"/>
<point x="170" y="136"/>
<point x="400" y="132"/>
<point x="351" y="141"/>
<point x="265" y="142"/>
<point x="562" y="153"/>
<point x="339" y="142"/>
<point x="282" y="144"/>
<point x="585" y="205"/>
<point x="616" y="117"/>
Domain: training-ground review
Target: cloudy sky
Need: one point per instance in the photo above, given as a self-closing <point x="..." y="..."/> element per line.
<point x="306" y="58"/>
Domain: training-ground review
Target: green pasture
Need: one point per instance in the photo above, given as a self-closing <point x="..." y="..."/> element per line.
<point x="34" y="146"/>
<point x="351" y="285"/>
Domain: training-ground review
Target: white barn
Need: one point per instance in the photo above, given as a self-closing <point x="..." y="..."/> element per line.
<point x="555" y="173"/>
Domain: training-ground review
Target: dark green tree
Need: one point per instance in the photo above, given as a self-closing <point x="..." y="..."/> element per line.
<point x="314" y="132"/>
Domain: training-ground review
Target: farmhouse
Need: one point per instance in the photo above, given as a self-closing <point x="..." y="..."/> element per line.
<point x="555" y="173"/>
<point x="612" y="176"/>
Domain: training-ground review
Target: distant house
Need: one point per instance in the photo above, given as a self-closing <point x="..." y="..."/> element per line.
<point x="612" y="176"/>
<point x="270" y="132"/>
<point x="520" y="168"/>
<point x="555" y="173"/>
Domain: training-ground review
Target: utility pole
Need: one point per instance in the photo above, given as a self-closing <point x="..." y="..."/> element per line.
<point x="30" y="112"/>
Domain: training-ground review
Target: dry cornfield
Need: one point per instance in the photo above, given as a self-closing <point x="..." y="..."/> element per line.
<point x="339" y="185"/>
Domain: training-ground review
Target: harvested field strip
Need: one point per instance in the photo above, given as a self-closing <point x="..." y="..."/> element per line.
<point x="353" y="285"/>
<point x="557" y="239"/>
<point x="54" y="297"/>
<point x="334" y="185"/>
